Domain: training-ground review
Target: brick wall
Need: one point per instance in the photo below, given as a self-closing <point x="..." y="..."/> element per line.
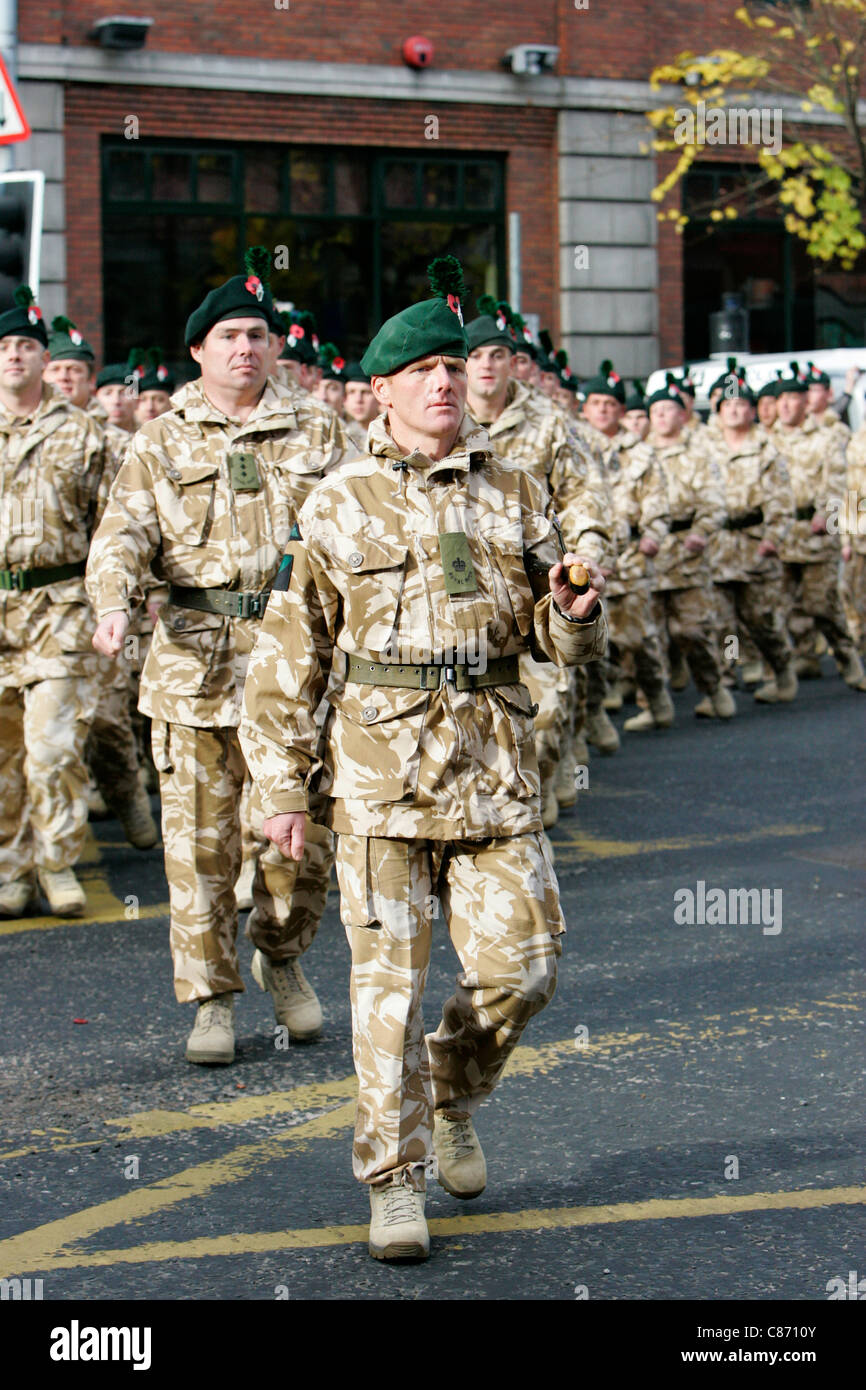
<point x="528" y="137"/>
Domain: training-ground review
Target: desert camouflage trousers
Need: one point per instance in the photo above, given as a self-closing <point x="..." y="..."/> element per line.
<point x="687" y="618"/>
<point x="499" y="900"/>
<point x="853" y="593"/>
<point x="632" y="630"/>
<point x="43" y="777"/>
<point x="812" y="597"/>
<point x="112" y="748"/>
<point x="553" y="689"/>
<point x="758" y="606"/>
<point x="201" y="779"/>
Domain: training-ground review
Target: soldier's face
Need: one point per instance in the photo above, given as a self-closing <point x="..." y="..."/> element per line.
<point x="521" y="366"/>
<point x="292" y="366"/>
<point x="548" y="383"/>
<point x="308" y="376"/>
<point x="638" y="422"/>
<point x="22" y="362"/>
<point x="235" y="356"/>
<point x="766" y="410"/>
<point x="488" y="371"/>
<point x="331" y="392"/>
<point x="360" y="402"/>
<point x="792" y="407"/>
<point x="819" y="398"/>
<point x="276" y="343"/>
<point x="118" y="402"/>
<point x="667" y="418"/>
<point x="150" y="405"/>
<point x="604" y="412"/>
<point x="735" y="412"/>
<point x="74" y="378"/>
<point x="426" y="399"/>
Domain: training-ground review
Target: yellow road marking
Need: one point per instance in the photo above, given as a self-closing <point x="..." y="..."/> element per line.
<point x="525" y="1061"/>
<point x="617" y="849"/>
<point x="482" y="1223"/>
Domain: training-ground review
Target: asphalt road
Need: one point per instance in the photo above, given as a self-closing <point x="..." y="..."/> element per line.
<point x="683" y="1122"/>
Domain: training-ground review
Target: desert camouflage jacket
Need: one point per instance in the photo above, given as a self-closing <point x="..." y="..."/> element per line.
<point x="853" y="516"/>
<point x="536" y="439"/>
<point x="697" y="504"/>
<point x="53" y="485"/>
<point x="754" y="475"/>
<point x="639" y="496"/>
<point x="369" y="578"/>
<point x="815" y="455"/>
<point x="172" y="507"/>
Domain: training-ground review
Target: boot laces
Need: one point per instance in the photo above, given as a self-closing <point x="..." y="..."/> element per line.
<point x="213" y="1013"/>
<point x="399" y="1205"/>
<point x="458" y="1137"/>
<point x="289" y="980"/>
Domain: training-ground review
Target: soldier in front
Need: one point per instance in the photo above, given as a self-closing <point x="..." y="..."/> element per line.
<point x="432" y="565"/>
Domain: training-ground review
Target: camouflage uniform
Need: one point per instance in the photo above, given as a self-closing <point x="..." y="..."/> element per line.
<point x="684" y="602"/>
<point x="531" y="435"/>
<point x="749" y="585"/>
<point x="172" y="504"/>
<point x="433" y="793"/>
<point x="816" y="461"/>
<point x="52" y="486"/>
<point x="639" y="495"/>
<point x="854" y="535"/>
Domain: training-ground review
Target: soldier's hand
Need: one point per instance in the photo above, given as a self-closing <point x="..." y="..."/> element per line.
<point x="153" y="606"/>
<point x="767" y="548"/>
<point x="109" y="635"/>
<point x="287" y="833"/>
<point x="694" y="542"/>
<point x="846" y="552"/>
<point x="819" y="525"/>
<point x="567" y="601"/>
<point x="648" y="546"/>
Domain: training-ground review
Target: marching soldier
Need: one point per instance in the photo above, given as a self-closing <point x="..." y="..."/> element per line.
<point x="766" y="404"/>
<point x="816" y="458"/>
<point x="745" y="559"/>
<point x="360" y="406"/>
<point x="209" y="493"/>
<point x="156" y="386"/>
<point x="532" y="436"/>
<point x="116" y="394"/>
<point x="853" y="535"/>
<point x="52" y="469"/>
<point x="426" y="545"/>
<point x="683" y="601"/>
<point x="642" y="514"/>
<point x="636" y="414"/>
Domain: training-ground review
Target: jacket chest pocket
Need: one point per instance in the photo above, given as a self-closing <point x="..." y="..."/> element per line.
<point x="509" y="583"/>
<point x="370" y="576"/>
<point x="186" y="503"/>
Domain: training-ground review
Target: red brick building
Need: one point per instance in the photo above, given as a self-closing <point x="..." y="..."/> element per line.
<point x="297" y="123"/>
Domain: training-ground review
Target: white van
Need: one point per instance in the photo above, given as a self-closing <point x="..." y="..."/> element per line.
<point x="764" y="367"/>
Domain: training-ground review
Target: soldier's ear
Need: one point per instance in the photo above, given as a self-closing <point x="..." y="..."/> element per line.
<point x="381" y="389"/>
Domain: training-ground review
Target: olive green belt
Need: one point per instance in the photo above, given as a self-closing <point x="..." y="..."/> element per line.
<point x="227" y="603"/>
<point x="502" y="670"/>
<point x="38" y="578"/>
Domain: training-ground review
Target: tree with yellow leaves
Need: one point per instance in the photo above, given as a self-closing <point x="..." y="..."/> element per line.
<point x="817" y="48"/>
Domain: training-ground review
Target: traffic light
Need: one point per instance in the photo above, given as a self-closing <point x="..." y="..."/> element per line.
<point x="21" y="198"/>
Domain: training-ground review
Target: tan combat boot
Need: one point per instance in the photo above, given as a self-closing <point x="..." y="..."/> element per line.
<point x="398" y="1227"/>
<point x="613" y="700"/>
<point x="64" y="893"/>
<point x="752" y="673"/>
<point x="808" y="668"/>
<point x="724" y="704"/>
<point x="462" y="1166"/>
<point x="212" y="1040"/>
<point x="780" y="690"/>
<point x="853" y="674"/>
<point x="600" y="731"/>
<point x="139" y="826"/>
<point x="15" y="897"/>
<point x="295" y="1003"/>
<point x="680" y="674"/>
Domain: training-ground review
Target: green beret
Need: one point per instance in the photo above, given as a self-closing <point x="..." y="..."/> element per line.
<point x="354" y="372"/>
<point x="433" y="327"/>
<point x="545" y="355"/>
<point x="671" y="391"/>
<point x="607" y="383"/>
<point x="523" y="337"/>
<point x="159" y="377"/>
<point x="331" y="361"/>
<point x="734" y="387"/>
<point x="794" y="382"/>
<point x="241" y="297"/>
<point x="564" y="373"/>
<point x="120" y="373"/>
<point x="302" y="343"/>
<point x="492" y="327"/>
<point x="637" y="400"/>
<point x="769" y="388"/>
<point x="816" y="377"/>
<point x="66" y="343"/>
<point x="729" y="371"/>
<point x="25" y="319"/>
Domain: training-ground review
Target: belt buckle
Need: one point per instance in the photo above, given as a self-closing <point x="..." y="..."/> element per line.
<point x="449" y="674"/>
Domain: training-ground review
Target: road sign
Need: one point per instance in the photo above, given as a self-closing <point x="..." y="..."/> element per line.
<point x="13" y="123"/>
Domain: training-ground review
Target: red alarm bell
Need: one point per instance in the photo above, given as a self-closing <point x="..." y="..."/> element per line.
<point x="418" y="52"/>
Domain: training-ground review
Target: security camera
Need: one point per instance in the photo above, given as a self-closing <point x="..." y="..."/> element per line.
<point x="121" y="31"/>
<point x="531" y="59"/>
